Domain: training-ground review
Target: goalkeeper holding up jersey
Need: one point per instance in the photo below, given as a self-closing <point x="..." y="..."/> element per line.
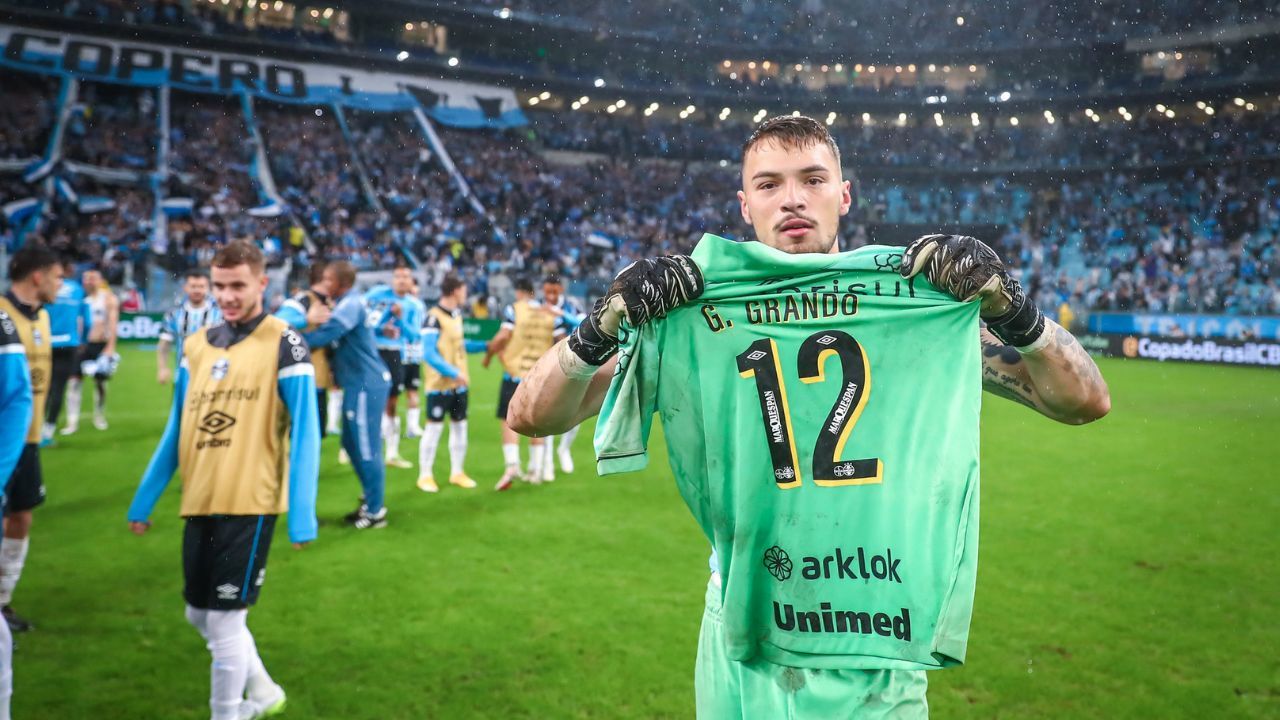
<point x="828" y="447"/>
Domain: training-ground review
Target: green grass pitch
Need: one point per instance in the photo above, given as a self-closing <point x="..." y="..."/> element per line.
<point x="1128" y="571"/>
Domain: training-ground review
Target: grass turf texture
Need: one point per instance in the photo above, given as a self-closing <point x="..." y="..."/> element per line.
<point x="1126" y="571"/>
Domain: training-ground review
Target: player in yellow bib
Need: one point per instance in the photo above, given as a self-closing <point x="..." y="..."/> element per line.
<point x="35" y="274"/>
<point x="528" y="330"/>
<point x="446" y="381"/>
<point x="245" y="433"/>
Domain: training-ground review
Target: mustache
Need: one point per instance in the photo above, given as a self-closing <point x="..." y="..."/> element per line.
<point x="789" y="218"/>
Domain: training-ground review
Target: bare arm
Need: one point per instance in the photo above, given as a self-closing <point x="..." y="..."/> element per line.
<point x="163" y="374"/>
<point x="548" y="402"/>
<point x="1059" y="381"/>
<point x="496" y="345"/>
<point x="113" y="319"/>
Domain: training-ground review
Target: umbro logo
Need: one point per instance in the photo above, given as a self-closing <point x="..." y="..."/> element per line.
<point x="227" y="591"/>
<point x="756" y="355"/>
<point x="215" y="422"/>
<point x="826" y="340"/>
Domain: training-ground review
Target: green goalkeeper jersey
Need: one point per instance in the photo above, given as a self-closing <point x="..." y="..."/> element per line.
<point x="821" y="417"/>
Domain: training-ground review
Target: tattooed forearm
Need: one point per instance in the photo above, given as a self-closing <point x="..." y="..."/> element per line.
<point x="1060" y="380"/>
<point x="1079" y="358"/>
<point x="1009" y="393"/>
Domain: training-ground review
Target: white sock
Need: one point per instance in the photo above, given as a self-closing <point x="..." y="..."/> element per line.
<point x="99" y="398"/>
<point x="536" y="454"/>
<point x="73" y="403"/>
<point x="46" y="431"/>
<point x="457" y="446"/>
<point x="427" y="447"/>
<point x="391" y="436"/>
<point x="229" y="643"/>
<point x="412" y="416"/>
<point x="335" y="412"/>
<point x="566" y="440"/>
<point x="511" y="454"/>
<point x="6" y="669"/>
<point x="13" y="555"/>
<point x="549" y="458"/>
<point x="259" y="682"/>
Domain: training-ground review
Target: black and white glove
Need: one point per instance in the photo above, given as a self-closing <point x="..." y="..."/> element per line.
<point x="644" y="290"/>
<point x="968" y="268"/>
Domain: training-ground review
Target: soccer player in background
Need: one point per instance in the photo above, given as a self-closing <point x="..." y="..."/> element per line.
<point x="445" y="351"/>
<point x="100" y="358"/>
<point x="528" y="330"/>
<point x="69" y="321"/>
<point x="388" y="315"/>
<point x="412" y="361"/>
<point x="365" y="384"/>
<point x="35" y="275"/>
<point x="294" y="311"/>
<point x="793" y="195"/>
<point x="196" y="311"/>
<point x="245" y="433"/>
<point x="16" y="413"/>
<point x="555" y="300"/>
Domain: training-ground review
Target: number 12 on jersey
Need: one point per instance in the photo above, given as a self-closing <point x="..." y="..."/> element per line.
<point x="760" y="361"/>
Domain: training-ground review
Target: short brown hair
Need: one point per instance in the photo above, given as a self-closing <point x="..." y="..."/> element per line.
<point x="344" y="272"/>
<point x="30" y="258"/>
<point x="792" y="131"/>
<point x="450" y="284"/>
<point x="241" y="252"/>
<point x="316" y="274"/>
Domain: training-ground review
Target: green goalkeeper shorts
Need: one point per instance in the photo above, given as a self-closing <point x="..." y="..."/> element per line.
<point x="759" y="690"/>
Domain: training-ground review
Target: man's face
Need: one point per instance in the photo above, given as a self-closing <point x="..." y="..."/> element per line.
<point x="238" y="291"/>
<point x="794" y="196"/>
<point x="92" y="280"/>
<point x="47" y="281"/>
<point x="330" y="283"/>
<point x="197" y="289"/>
<point x="460" y="295"/>
<point x="402" y="281"/>
<point x="551" y="292"/>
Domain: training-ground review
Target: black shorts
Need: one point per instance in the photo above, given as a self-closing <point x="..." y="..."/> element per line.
<point x="25" y="489"/>
<point x="92" y="351"/>
<point x="412" y="376"/>
<point x="322" y="403"/>
<point x="509" y="385"/>
<point x="66" y="365"/>
<point x="391" y="358"/>
<point x="224" y="559"/>
<point x="449" y="402"/>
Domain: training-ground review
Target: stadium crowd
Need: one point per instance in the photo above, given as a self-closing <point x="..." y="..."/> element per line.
<point x="889" y="23"/>
<point x="825" y="24"/>
<point x="830" y="27"/>
<point x="1198" y="236"/>
<point x="1069" y="142"/>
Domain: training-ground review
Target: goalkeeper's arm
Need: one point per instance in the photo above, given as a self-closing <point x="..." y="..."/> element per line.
<point x="568" y="384"/>
<point x="1026" y="357"/>
<point x="549" y="401"/>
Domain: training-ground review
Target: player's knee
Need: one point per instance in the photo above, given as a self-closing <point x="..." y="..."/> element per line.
<point x="226" y="626"/>
<point x="17" y="524"/>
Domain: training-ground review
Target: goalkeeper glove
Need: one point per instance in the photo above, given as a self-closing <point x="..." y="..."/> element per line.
<point x="969" y="269"/>
<point x="644" y="290"/>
